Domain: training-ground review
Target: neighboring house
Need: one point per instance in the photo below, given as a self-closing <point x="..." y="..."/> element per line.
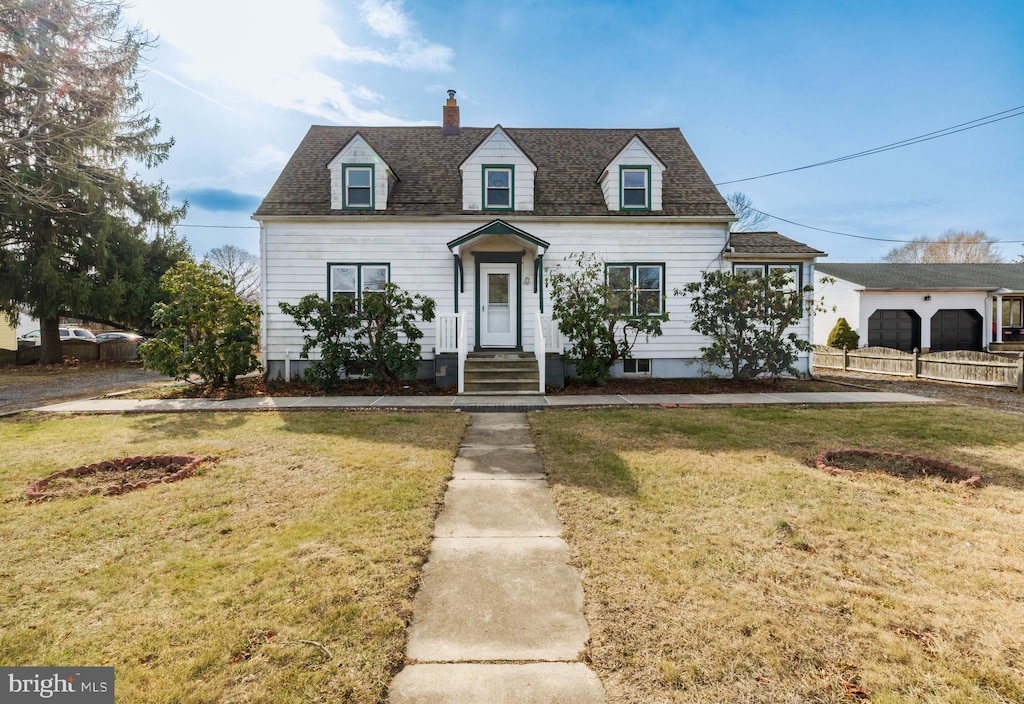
<point x="931" y="307"/>
<point x="477" y="218"/>
<point x="8" y="335"/>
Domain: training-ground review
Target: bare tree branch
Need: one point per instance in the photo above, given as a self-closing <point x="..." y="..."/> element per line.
<point x="951" y="247"/>
<point x="750" y="220"/>
<point x="241" y="268"/>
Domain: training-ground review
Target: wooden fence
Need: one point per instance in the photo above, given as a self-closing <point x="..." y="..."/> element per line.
<point x="85" y="350"/>
<point x="962" y="366"/>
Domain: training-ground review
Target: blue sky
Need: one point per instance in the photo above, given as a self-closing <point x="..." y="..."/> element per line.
<point x="756" y="87"/>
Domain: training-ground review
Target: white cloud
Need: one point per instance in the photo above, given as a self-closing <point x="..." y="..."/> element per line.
<point x="387" y="20"/>
<point x="266" y="159"/>
<point x="261" y="50"/>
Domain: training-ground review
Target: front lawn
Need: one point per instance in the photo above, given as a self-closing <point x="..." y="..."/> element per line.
<point x="720" y="566"/>
<point x="282" y="573"/>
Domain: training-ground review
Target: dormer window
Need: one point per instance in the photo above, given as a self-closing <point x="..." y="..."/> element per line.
<point x="358" y="186"/>
<point x="498" y="187"/>
<point x="636" y="187"/>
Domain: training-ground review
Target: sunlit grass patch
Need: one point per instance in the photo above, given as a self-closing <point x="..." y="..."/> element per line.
<point x="280" y="573"/>
<point x="720" y="565"/>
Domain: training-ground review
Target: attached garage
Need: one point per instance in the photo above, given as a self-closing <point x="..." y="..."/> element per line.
<point x="956" y="330"/>
<point x="898" y="329"/>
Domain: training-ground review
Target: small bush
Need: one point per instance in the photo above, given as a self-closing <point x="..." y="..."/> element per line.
<point x="843" y="336"/>
<point x="206" y="330"/>
<point x="375" y="335"/>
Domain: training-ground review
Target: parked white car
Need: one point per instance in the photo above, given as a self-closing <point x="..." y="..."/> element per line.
<point x="65" y="334"/>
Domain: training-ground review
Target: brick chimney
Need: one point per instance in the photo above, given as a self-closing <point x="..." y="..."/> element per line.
<point x="450" y="118"/>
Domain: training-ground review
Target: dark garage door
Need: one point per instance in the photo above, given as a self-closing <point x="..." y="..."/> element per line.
<point x="956" y="330"/>
<point x="899" y="329"/>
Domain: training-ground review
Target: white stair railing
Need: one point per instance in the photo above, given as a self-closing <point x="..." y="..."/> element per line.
<point x="463" y="349"/>
<point x="539" y="347"/>
<point x="447" y="333"/>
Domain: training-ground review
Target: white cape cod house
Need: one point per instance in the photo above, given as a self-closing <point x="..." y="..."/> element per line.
<point x="477" y="218"/>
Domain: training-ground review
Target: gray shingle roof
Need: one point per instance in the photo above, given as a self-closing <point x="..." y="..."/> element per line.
<point x="929" y="277"/>
<point x="768" y="243"/>
<point x="569" y="164"/>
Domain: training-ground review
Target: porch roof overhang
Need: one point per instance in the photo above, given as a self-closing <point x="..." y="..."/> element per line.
<point x="502" y="228"/>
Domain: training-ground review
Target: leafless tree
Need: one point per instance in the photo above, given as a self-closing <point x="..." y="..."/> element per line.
<point x="750" y="219"/>
<point x="951" y="247"/>
<point x="241" y="268"/>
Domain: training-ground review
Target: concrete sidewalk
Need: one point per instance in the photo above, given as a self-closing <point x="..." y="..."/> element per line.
<point x="491" y="402"/>
<point x="498" y="618"/>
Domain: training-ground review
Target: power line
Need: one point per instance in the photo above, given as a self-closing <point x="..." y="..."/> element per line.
<point x="928" y="136"/>
<point x="847" y="234"/>
<point x="222" y="227"/>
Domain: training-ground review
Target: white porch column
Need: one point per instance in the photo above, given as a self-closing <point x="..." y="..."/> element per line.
<point x="999" y="318"/>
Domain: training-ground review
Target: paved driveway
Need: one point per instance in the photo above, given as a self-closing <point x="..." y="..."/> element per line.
<point x="27" y="387"/>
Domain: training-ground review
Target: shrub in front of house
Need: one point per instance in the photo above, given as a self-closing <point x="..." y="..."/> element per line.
<point x="843" y="336"/>
<point x="375" y="335"/>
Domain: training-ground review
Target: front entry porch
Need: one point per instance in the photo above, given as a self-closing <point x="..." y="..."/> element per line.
<point x="481" y="370"/>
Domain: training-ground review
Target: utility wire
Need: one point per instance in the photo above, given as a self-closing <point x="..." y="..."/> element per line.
<point x="945" y="132"/>
<point x="222" y="227"/>
<point x="847" y="234"/>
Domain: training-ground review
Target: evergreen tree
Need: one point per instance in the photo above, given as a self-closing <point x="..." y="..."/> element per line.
<point x="77" y="228"/>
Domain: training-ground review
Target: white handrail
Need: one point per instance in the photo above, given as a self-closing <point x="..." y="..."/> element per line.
<point x="462" y="349"/>
<point x="447" y="340"/>
<point x="539" y="348"/>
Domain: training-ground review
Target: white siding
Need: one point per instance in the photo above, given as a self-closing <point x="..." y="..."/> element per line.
<point x="633" y="154"/>
<point x="296" y="258"/>
<point x="839" y="300"/>
<point x="497" y="149"/>
<point x="357" y="151"/>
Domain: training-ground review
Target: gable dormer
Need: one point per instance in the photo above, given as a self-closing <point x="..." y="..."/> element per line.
<point x="497" y="176"/>
<point x="360" y="179"/>
<point x="632" y="180"/>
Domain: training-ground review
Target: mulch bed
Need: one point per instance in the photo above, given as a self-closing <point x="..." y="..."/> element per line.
<point x="113" y="477"/>
<point x="258" y="386"/>
<point x="909" y="467"/>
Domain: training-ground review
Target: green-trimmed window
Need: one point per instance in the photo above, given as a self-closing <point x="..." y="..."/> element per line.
<point x="758" y="270"/>
<point x="635" y="182"/>
<point x="358" y="185"/>
<point x="638" y="288"/>
<point x="498" y="191"/>
<point x="353" y="280"/>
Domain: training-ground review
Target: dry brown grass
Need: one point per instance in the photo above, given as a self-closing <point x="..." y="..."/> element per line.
<point x="281" y="574"/>
<point x="719" y="566"/>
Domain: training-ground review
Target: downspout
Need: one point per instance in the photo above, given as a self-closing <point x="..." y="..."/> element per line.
<point x="457" y="267"/>
<point x="264" y="297"/>
<point x="538" y="280"/>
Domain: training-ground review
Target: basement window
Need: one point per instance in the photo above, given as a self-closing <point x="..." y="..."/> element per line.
<point x="636" y="366"/>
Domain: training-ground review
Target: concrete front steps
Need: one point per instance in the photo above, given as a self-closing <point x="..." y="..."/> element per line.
<point x="501" y="373"/>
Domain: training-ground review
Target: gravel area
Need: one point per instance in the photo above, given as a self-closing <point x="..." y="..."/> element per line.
<point x="27" y="387"/>
<point x="998" y="398"/>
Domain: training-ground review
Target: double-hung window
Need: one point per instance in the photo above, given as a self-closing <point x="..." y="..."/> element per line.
<point x="792" y="272"/>
<point x="354" y="280"/>
<point x="498" y="182"/>
<point x="358" y="180"/>
<point x="636" y="187"/>
<point x="639" y="289"/>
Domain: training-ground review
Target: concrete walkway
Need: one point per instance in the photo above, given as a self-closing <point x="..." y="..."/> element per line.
<point x="498" y="617"/>
<point x="493" y="402"/>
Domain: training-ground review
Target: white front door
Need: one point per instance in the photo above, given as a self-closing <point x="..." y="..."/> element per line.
<point x="499" y="314"/>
